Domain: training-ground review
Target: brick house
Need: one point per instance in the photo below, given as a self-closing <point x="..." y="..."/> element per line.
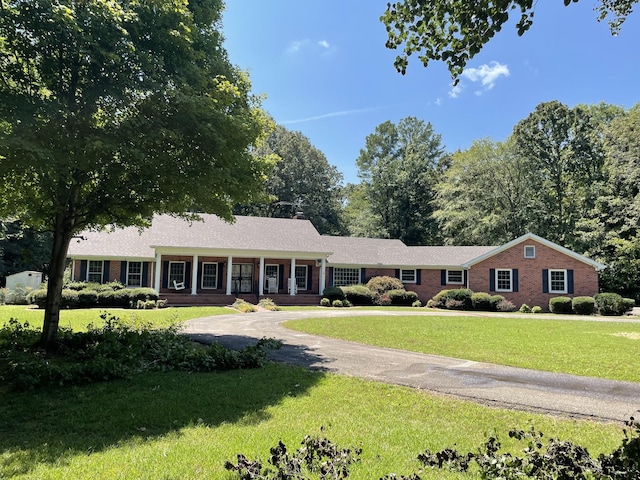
<point x="213" y="262"/>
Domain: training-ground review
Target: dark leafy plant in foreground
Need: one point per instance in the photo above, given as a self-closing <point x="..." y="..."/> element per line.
<point x="113" y="351"/>
<point x="555" y="459"/>
<point x="316" y="458"/>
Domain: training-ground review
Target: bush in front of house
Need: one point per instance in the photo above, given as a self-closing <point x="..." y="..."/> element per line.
<point x="69" y="298"/>
<point x="612" y="304"/>
<point x="494" y="300"/>
<point x="536" y="309"/>
<point x="583" y="305"/>
<point x="333" y="293"/>
<point x="382" y="284"/>
<point x="454" y="299"/>
<point x="481" y="301"/>
<point x="358" y="294"/>
<point x="37" y="297"/>
<point x="337" y="303"/>
<point x="506" y="306"/>
<point x="87" y="298"/>
<point x="560" y="305"/>
<point x="524" y="308"/>
<point x="402" y="297"/>
<point x="325" y="302"/>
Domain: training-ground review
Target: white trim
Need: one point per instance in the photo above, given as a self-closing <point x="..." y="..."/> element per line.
<point x="194" y="276"/>
<point x="306" y="276"/>
<point x="566" y="280"/>
<point x="89" y="272"/>
<point x="534" y="251"/>
<point x="127" y="283"/>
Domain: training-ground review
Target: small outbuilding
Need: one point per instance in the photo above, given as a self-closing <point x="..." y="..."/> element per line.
<point x="28" y="279"/>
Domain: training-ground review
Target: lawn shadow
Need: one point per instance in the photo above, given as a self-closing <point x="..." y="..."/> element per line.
<point x="56" y="424"/>
<point x="297" y="355"/>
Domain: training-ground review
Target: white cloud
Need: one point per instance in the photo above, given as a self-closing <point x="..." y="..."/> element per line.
<point x="324" y="43"/>
<point x="340" y="113"/>
<point x="486" y="75"/>
<point x="297" y="45"/>
<point x="321" y="47"/>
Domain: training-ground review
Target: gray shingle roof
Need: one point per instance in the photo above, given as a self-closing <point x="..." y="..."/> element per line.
<point x="246" y="233"/>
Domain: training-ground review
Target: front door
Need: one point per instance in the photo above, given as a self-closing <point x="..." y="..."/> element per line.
<point x="241" y="278"/>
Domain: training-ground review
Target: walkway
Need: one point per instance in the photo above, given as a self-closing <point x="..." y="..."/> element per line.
<point x="488" y="384"/>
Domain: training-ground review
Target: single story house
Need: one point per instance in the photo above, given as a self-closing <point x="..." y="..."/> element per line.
<point x="213" y="261"/>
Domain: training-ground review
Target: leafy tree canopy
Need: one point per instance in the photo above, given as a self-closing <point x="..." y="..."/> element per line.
<point x="111" y="111"/>
<point x="454" y="31"/>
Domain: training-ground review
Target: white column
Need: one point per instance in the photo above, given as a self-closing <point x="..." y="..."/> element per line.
<point x="292" y="278"/>
<point x="261" y="278"/>
<point x="323" y="275"/>
<point x="194" y="276"/>
<point x="73" y="270"/>
<point x="229" y="271"/>
<point x="157" y="272"/>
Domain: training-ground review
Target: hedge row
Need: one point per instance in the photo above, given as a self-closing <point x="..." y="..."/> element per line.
<point x="608" y="304"/>
<point x="381" y="290"/>
<point x="465" y="299"/>
<point x="86" y="298"/>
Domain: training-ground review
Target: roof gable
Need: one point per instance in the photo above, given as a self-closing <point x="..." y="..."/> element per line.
<point x="543" y="241"/>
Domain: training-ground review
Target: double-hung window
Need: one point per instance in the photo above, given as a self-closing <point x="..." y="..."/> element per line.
<point x="209" y="275"/>
<point x="455" y="277"/>
<point x="504" y="280"/>
<point x="346" y="276"/>
<point x="176" y="273"/>
<point x="94" y="271"/>
<point x="301" y="277"/>
<point x="558" y="281"/>
<point x="134" y="274"/>
<point x="408" y="276"/>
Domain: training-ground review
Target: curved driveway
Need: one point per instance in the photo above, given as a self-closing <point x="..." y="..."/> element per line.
<point x="489" y="384"/>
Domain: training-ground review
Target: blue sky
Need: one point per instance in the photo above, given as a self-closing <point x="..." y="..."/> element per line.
<point x="325" y="72"/>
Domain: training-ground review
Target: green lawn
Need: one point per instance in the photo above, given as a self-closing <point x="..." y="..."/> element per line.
<point x="79" y="319"/>
<point x="185" y="426"/>
<point x="597" y="349"/>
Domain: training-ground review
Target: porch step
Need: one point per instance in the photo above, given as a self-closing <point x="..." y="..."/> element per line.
<point x="186" y="299"/>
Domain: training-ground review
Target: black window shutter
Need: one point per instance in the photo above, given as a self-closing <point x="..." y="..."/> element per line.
<point x="165" y="274"/>
<point x="220" y="274"/>
<point x="309" y="276"/>
<point x="570" y="281"/>
<point x="492" y="279"/>
<point x="187" y="274"/>
<point x="145" y="274"/>
<point x="331" y="276"/>
<point x="545" y="281"/>
<point x="281" y="276"/>
<point x="105" y="271"/>
<point x="123" y="272"/>
<point x="199" y="277"/>
<point x="443" y="277"/>
<point x="83" y="270"/>
<point x="363" y="275"/>
<point x="465" y="277"/>
<point x="418" y="277"/>
<point x="397" y="273"/>
<point x="514" y="273"/>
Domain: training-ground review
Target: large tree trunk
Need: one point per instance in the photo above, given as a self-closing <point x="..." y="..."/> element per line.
<point x="61" y="239"/>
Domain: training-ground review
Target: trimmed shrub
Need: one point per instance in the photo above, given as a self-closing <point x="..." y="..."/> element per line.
<point x="37" y="297"/>
<point x="337" y="303"/>
<point x="561" y="305"/>
<point x="243" y="306"/>
<point x="87" y="298"/>
<point x="495" y="300"/>
<point x="358" y="294"/>
<point x="628" y="304"/>
<point x="383" y="300"/>
<point x="325" y="302"/>
<point x="382" y="284"/>
<point x="430" y="303"/>
<point x="141" y="293"/>
<point x="268" y="304"/>
<point x="333" y="293"/>
<point x="536" y="309"/>
<point x="505" y="306"/>
<point x="455" y="299"/>
<point x="610" y="304"/>
<point x="583" y="305"/>
<point x="417" y="304"/>
<point x="3" y="295"/>
<point x="481" y="301"/>
<point x="524" y="308"/>
<point x="402" y="297"/>
<point x="69" y="298"/>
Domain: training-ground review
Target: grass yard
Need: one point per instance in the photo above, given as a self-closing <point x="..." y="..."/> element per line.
<point x="590" y="348"/>
<point x="185" y="426"/>
<point x="78" y="319"/>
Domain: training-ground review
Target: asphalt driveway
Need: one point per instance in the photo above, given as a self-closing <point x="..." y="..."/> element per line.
<point x="485" y="383"/>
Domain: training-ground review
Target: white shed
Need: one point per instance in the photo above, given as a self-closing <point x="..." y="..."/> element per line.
<point x="28" y="278"/>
